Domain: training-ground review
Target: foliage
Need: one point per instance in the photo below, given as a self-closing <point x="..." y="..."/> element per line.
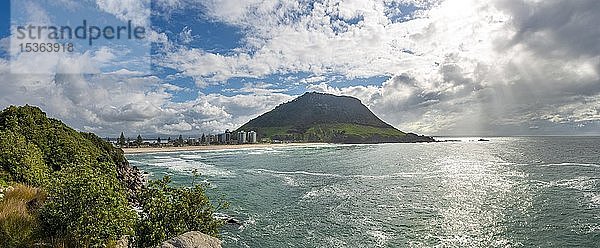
<point x="179" y="141"/>
<point x="317" y="117"/>
<point x="271" y="132"/>
<point x="87" y="183"/>
<point x="88" y="208"/>
<point x="349" y="132"/>
<point x="87" y="203"/>
<point x="139" y="141"/>
<point x="121" y="140"/>
<point x="18" y="215"/>
<point x="60" y="145"/>
<point x="108" y="152"/>
<point x="169" y="211"/>
<point x="363" y="131"/>
<point x="21" y="161"/>
<point x="335" y="132"/>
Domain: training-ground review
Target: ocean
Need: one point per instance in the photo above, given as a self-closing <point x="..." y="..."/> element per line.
<point x="507" y="192"/>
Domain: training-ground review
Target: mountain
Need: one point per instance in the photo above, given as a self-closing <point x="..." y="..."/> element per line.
<point x="319" y="117"/>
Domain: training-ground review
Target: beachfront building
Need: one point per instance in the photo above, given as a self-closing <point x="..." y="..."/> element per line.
<point x="241" y="137"/>
<point x="212" y="139"/>
<point x="225" y="138"/>
<point x="252" y="137"/>
<point x="228" y="137"/>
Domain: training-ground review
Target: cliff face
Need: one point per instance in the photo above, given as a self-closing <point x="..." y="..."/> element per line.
<point x="318" y="117"/>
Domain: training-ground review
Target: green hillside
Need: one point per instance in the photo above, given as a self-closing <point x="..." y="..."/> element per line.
<point x="63" y="188"/>
<point x="317" y="117"/>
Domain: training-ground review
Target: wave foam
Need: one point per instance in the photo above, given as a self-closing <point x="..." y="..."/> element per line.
<point x="298" y="173"/>
<point x="181" y="165"/>
<point x="380" y="237"/>
<point x="578" y="183"/>
<point x="191" y="156"/>
<point x="331" y="175"/>
<point x="571" y="164"/>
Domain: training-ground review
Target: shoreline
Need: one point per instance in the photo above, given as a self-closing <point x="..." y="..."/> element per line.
<point x="211" y="147"/>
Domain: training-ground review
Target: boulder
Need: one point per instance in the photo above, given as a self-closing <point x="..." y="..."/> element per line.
<point x="192" y="240"/>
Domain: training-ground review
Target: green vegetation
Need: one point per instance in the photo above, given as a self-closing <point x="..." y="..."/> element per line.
<point x="21" y="161"/>
<point x="169" y="212"/>
<point x="342" y="133"/>
<point x="91" y="190"/>
<point x="19" y="208"/>
<point x="317" y="117"/>
<point x="329" y="132"/>
<point x="88" y="208"/>
<point x="274" y="131"/>
<point x="121" y="141"/>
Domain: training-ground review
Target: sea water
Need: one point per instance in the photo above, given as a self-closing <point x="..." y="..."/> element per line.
<point x="507" y="192"/>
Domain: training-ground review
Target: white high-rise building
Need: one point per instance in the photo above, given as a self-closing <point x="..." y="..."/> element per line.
<point x="252" y="137"/>
<point x="241" y="137"/>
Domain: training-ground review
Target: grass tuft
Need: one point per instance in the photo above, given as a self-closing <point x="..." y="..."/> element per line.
<point x="18" y="215"/>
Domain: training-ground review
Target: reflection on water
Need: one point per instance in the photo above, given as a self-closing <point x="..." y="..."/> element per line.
<point x="509" y="192"/>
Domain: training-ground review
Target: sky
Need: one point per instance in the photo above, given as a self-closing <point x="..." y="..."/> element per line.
<point x="433" y="67"/>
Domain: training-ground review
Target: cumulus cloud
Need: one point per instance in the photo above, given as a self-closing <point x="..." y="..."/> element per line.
<point x="136" y="11"/>
<point x="454" y="67"/>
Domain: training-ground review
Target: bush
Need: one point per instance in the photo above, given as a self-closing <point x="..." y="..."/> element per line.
<point x="18" y="216"/>
<point x="59" y="144"/>
<point x="88" y="208"/>
<point x="21" y="161"/>
<point x="87" y="180"/>
<point x="168" y="212"/>
<point x="109" y="152"/>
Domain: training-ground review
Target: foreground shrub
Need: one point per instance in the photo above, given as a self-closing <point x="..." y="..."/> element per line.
<point x="87" y="208"/>
<point x="21" y="161"/>
<point x="169" y="211"/>
<point x="18" y="215"/>
<point x="88" y="182"/>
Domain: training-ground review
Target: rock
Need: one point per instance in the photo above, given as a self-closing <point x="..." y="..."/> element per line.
<point x="123" y="242"/>
<point x="132" y="179"/>
<point x="227" y="219"/>
<point x="234" y="222"/>
<point x="192" y="240"/>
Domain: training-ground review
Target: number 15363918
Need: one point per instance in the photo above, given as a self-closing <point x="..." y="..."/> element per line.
<point x="49" y="47"/>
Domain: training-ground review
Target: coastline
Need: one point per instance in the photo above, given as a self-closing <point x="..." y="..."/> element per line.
<point x="211" y="147"/>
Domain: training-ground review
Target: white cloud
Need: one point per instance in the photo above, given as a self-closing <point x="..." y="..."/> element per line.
<point x="136" y="11"/>
<point x="315" y="79"/>
<point x="455" y="67"/>
<point x="463" y="67"/>
<point x="179" y="127"/>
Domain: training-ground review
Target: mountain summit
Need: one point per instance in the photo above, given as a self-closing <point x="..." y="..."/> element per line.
<point x="319" y="117"/>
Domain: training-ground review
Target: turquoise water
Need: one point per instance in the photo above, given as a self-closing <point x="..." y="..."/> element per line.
<point x="509" y="192"/>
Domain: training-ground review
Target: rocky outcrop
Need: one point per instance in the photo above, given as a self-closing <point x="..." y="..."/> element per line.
<point x="192" y="240"/>
<point x="133" y="180"/>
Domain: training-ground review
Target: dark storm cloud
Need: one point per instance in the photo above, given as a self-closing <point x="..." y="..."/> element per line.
<point x="557" y="27"/>
<point x="559" y="31"/>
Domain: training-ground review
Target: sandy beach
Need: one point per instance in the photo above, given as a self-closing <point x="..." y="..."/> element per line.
<point x="210" y="147"/>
